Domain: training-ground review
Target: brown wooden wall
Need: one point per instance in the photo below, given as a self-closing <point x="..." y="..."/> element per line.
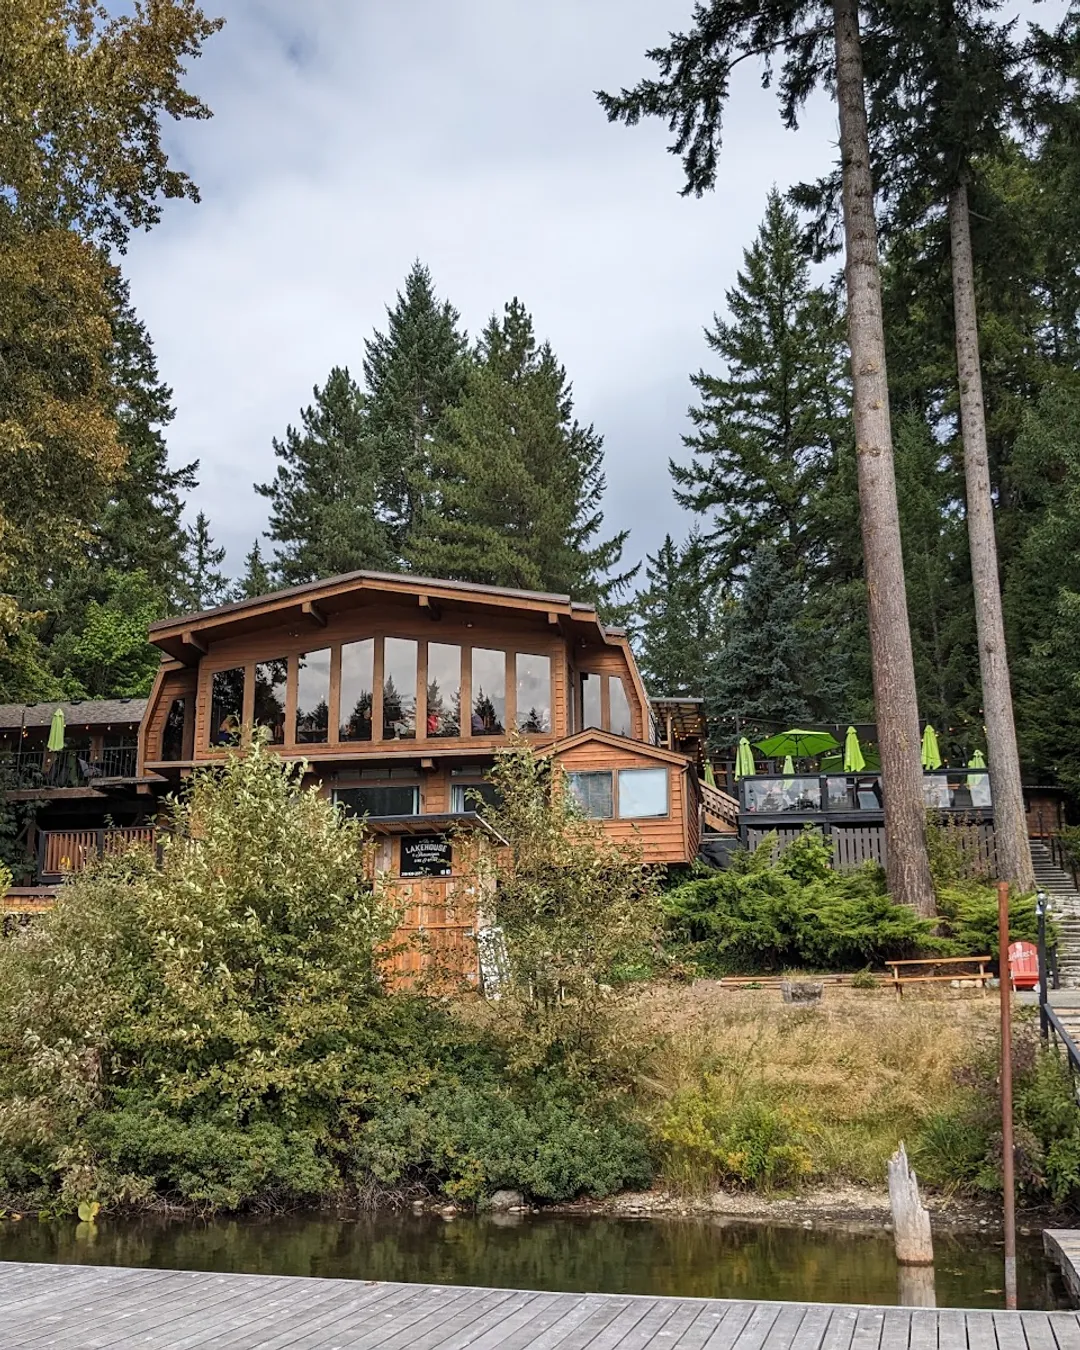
<point x="673" y="838"/>
<point x="529" y="634"/>
<point x="173" y="681"/>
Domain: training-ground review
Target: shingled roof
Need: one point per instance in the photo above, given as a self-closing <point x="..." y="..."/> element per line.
<point x="93" y="712"/>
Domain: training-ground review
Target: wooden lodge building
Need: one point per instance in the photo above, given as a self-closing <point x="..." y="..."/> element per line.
<point x="397" y="692"/>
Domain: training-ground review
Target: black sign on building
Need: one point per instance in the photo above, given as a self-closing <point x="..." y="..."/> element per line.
<point x="425" y="855"/>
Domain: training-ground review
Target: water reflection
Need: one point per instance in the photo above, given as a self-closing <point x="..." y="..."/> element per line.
<point x="689" y="1258"/>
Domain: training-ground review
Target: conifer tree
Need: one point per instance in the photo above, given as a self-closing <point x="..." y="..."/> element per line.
<point x="768" y="426"/>
<point x="256" y="579"/>
<point x="203" y="585"/>
<point x="516" y="480"/>
<point x="821" y="42"/>
<point x="760" y="671"/>
<point x="413" y="373"/>
<point x="324" y="497"/>
<point x="678" y="619"/>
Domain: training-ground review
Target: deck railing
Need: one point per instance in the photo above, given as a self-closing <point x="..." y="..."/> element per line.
<point x="717" y="803"/>
<point x="961" y="790"/>
<point x="40" y="768"/>
<point x="62" y="853"/>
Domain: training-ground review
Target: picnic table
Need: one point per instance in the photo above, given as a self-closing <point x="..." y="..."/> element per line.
<point x="922" y="971"/>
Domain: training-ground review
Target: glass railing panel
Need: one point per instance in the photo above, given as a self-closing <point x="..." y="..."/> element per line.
<point x="776" y="795"/>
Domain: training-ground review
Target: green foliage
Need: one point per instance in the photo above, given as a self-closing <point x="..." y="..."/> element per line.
<point x="709" y="1141"/>
<point x="516" y="480"/>
<point x="676" y="619"/>
<point x="577" y="909"/>
<point x="109" y="655"/>
<point x="324" y="514"/>
<point x="214" y="1030"/>
<point x="961" y="1147"/>
<point x="773" y="913"/>
<point x="476" y="1139"/>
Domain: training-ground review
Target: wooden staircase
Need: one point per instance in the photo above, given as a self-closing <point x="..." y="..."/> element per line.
<point x="720" y="810"/>
<point x="1064" y="900"/>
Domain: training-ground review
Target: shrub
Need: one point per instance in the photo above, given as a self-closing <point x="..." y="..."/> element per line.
<point x="773" y="912"/>
<point x="708" y="1139"/>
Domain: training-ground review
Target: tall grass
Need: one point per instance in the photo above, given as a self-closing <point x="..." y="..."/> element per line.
<point x="742" y="1090"/>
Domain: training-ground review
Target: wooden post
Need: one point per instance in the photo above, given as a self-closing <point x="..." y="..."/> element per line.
<point x="911" y="1220"/>
<point x="1007" y="1161"/>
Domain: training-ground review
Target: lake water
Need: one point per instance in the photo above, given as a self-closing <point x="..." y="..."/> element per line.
<point x="688" y="1257"/>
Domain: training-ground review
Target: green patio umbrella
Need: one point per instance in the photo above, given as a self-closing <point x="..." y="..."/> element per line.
<point x="854" y="759"/>
<point x="798" y="743"/>
<point x="56" y="730"/>
<point x="710" y="777"/>
<point x="931" y="755"/>
<point x="789" y="772"/>
<point x="977" y="761"/>
<point x="744" y="760"/>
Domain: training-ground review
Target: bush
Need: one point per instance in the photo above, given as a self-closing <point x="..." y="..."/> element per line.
<point x="213" y="1031"/>
<point x="774" y="913"/>
<point x="708" y="1140"/>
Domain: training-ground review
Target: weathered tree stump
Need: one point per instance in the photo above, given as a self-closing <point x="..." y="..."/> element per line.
<point x="911" y="1220"/>
<point x="801" y="991"/>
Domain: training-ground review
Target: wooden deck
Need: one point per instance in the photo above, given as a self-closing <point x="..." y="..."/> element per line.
<point x="89" y="1307"/>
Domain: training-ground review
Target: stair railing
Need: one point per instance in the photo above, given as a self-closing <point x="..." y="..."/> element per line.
<point x="1061" y="858"/>
<point x="1049" y="1022"/>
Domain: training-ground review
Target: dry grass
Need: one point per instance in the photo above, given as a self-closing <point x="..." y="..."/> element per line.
<point x="850" y="1078"/>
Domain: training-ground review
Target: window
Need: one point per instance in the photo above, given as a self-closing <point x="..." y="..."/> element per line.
<point x="533" y="692"/>
<point x="399" y="799"/>
<point x="488" y="692"/>
<point x="172" y="737"/>
<point x="470" y="796"/>
<point x="592" y="792"/>
<point x="357" y="683"/>
<point x="270" y="681"/>
<point x="226" y="706"/>
<point x="443" y="689"/>
<point x="313" y="698"/>
<point x="399" y="689"/>
<point x="620" y="706"/>
<point x="590" y="702"/>
<point x="643" y="792"/>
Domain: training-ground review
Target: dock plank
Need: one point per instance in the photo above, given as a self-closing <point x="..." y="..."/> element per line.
<point x="48" y="1307"/>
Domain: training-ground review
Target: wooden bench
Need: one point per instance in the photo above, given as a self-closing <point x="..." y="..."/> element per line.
<point x="921" y="971"/>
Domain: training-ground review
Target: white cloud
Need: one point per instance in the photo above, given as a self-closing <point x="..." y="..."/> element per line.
<point x="351" y="136"/>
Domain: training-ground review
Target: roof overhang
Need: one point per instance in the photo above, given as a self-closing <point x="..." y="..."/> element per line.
<point x="433" y="824"/>
<point x="314" y="604"/>
<point x="616" y="742"/>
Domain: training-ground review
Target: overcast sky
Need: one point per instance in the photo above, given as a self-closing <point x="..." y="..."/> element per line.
<point x="352" y="136"/>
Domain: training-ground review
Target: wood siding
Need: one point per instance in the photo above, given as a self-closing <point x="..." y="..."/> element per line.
<point x="173" y="681"/>
<point x="673" y="838"/>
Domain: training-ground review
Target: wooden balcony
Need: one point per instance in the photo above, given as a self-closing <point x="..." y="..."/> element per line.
<point x="62" y="853"/>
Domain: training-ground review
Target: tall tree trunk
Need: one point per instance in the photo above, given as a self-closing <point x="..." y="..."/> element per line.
<point x="890" y="635"/>
<point x="1010" y="821"/>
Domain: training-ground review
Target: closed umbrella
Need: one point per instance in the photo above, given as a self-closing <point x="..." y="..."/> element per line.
<point x="977" y="761"/>
<point x="710" y="777"/>
<point x="56" y="730"/>
<point x="931" y="755"/>
<point x="744" y="760"/>
<point x="854" y="759"/>
<point x="789" y="772"/>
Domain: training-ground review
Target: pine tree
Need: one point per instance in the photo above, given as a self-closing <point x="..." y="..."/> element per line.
<point x="821" y="43"/>
<point x="516" y="480"/>
<point x="203" y="585"/>
<point x="324" y="515"/>
<point x="769" y="426"/>
<point x="760" y="670"/>
<point x="256" y="579"/>
<point x="413" y="373"/>
<point x="678" y="619"/>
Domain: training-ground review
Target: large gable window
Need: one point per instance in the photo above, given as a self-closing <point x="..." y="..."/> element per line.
<point x="313" y="698"/>
<point x="399" y="688"/>
<point x="488" y="692"/>
<point x="443" y="689"/>
<point x="533" y="692"/>
<point x="619" y="705"/>
<point x="357" y="684"/>
<point x="271" y="678"/>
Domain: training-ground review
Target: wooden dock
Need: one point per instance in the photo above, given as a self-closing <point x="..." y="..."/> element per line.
<point x="94" y="1307"/>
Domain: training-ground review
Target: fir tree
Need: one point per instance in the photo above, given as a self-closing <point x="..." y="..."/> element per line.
<point x="768" y="427"/>
<point x="517" y="481"/>
<point x="202" y="584"/>
<point x="760" y="671"/>
<point x="256" y="579"/>
<point x="324" y="497"/>
<point x="413" y="373"/>
<point x="678" y="619"/>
